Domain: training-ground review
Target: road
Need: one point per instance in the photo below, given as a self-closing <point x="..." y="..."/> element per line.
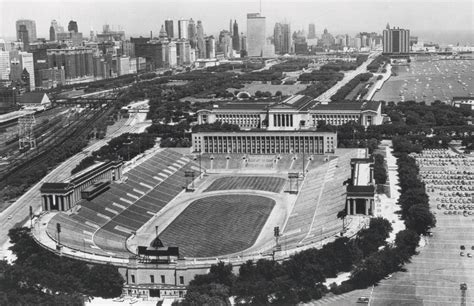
<point x="349" y="75"/>
<point x="19" y="210"/>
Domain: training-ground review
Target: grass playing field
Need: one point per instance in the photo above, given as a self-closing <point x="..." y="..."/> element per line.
<point x="218" y="225"/>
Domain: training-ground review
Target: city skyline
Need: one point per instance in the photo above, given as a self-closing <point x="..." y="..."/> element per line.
<point x="336" y="16"/>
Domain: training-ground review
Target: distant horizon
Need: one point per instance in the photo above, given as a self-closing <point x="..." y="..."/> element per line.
<point x="431" y="21"/>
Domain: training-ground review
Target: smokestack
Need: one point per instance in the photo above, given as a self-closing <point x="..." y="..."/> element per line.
<point x="151" y="34"/>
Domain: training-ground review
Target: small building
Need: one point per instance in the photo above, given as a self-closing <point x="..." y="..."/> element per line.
<point x="64" y="195"/>
<point x="361" y="188"/>
<point x="35" y="100"/>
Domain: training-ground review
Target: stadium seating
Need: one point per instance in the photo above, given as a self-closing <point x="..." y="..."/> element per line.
<point x="264" y="183"/>
<point x="321" y="197"/>
<point x="101" y="226"/>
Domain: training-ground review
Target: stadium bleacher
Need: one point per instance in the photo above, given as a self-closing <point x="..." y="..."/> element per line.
<point x="264" y="183"/>
<point x="102" y="225"/>
<point x="322" y="196"/>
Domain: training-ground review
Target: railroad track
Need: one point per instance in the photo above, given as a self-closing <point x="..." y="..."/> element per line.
<point x="75" y="130"/>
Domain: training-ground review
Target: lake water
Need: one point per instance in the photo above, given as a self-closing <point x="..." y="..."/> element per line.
<point x="429" y="80"/>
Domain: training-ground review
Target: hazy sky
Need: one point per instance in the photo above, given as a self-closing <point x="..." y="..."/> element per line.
<point x="338" y="16"/>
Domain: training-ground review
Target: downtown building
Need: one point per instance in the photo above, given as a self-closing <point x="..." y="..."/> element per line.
<point x="256" y="35"/>
<point x="76" y="62"/>
<point x="396" y="41"/>
<point x="29" y="25"/>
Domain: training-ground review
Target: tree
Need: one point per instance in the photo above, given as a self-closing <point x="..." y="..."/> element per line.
<point x="407" y="241"/>
<point x="105" y="281"/>
<point x="342" y="215"/>
<point x="420" y="219"/>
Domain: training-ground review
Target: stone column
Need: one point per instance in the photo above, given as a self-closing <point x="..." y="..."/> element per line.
<point x="354" y="206"/>
<point x="367" y="203"/>
<point x="348" y="207"/>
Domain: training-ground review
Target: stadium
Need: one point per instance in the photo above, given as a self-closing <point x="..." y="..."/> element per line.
<point x="173" y="213"/>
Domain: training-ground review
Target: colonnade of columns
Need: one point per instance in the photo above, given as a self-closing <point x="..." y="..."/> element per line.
<point x="351" y="205"/>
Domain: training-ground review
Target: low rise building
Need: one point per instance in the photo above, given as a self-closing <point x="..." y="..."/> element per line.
<point x="297" y="112"/>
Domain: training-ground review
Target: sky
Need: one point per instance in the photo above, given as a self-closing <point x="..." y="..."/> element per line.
<point x="434" y="19"/>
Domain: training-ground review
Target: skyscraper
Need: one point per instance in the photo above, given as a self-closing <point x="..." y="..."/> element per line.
<point x="4" y="65"/>
<point x="277" y="37"/>
<point x="30" y="27"/>
<point x="72" y="26"/>
<point x="282" y="38"/>
<point x="396" y="40"/>
<point x="183" y="29"/>
<point x="255" y="34"/>
<point x="20" y="61"/>
<point x="311" y="31"/>
<point x="23" y="37"/>
<point x="201" y="44"/>
<point x="235" y="37"/>
<point x="192" y="35"/>
<point x="210" y="47"/>
<point x="169" y="28"/>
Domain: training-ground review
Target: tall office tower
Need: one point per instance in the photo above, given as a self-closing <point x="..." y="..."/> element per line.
<point x="277" y="37"/>
<point x="4" y="65"/>
<point x="52" y="33"/>
<point x="396" y="40"/>
<point x="30" y="27"/>
<point x="256" y="35"/>
<point x="201" y="44"/>
<point x="243" y="42"/>
<point x="192" y="34"/>
<point x="27" y="63"/>
<point x="23" y="37"/>
<point x="311" y="31"/>
<point x="171" y="56"/>
<point x="225" y="43"/>
<point x="210" y="47"/>
<point x="183" y="29"/>
<point x="72" y="26"/>
<point x="230" y="26"/>
<point x="235" y="37"/>
<point x="287" y="41"/>
<point x="169" y="28"/>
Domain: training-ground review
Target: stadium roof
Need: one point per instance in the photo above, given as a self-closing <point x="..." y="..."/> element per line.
<point x="360" y="191"/>
<point x="244" y="106"/>
<point x="55" y="187"/>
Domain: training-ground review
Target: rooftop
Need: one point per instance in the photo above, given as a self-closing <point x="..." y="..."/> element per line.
<point x="32" y="97"/>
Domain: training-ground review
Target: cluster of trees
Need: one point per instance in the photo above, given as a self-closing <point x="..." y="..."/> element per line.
<point x="125" y="147"/>
<point x="436" y="114"/>
<point x="413" y="201"/>
<point x="298" y="279"/>
<point x="350" y="86"/>
<point x="39" y="277"/>
<point x="292" y="65"/>
<point x="172" y="135"/>
<point x="320" y="76"/>
<point x="264" y="75"/>
<point x="344" y="65"/>
<point x="378" y="62"/>
<point x="380" y="172"/>
<point x="323" y="80"/>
